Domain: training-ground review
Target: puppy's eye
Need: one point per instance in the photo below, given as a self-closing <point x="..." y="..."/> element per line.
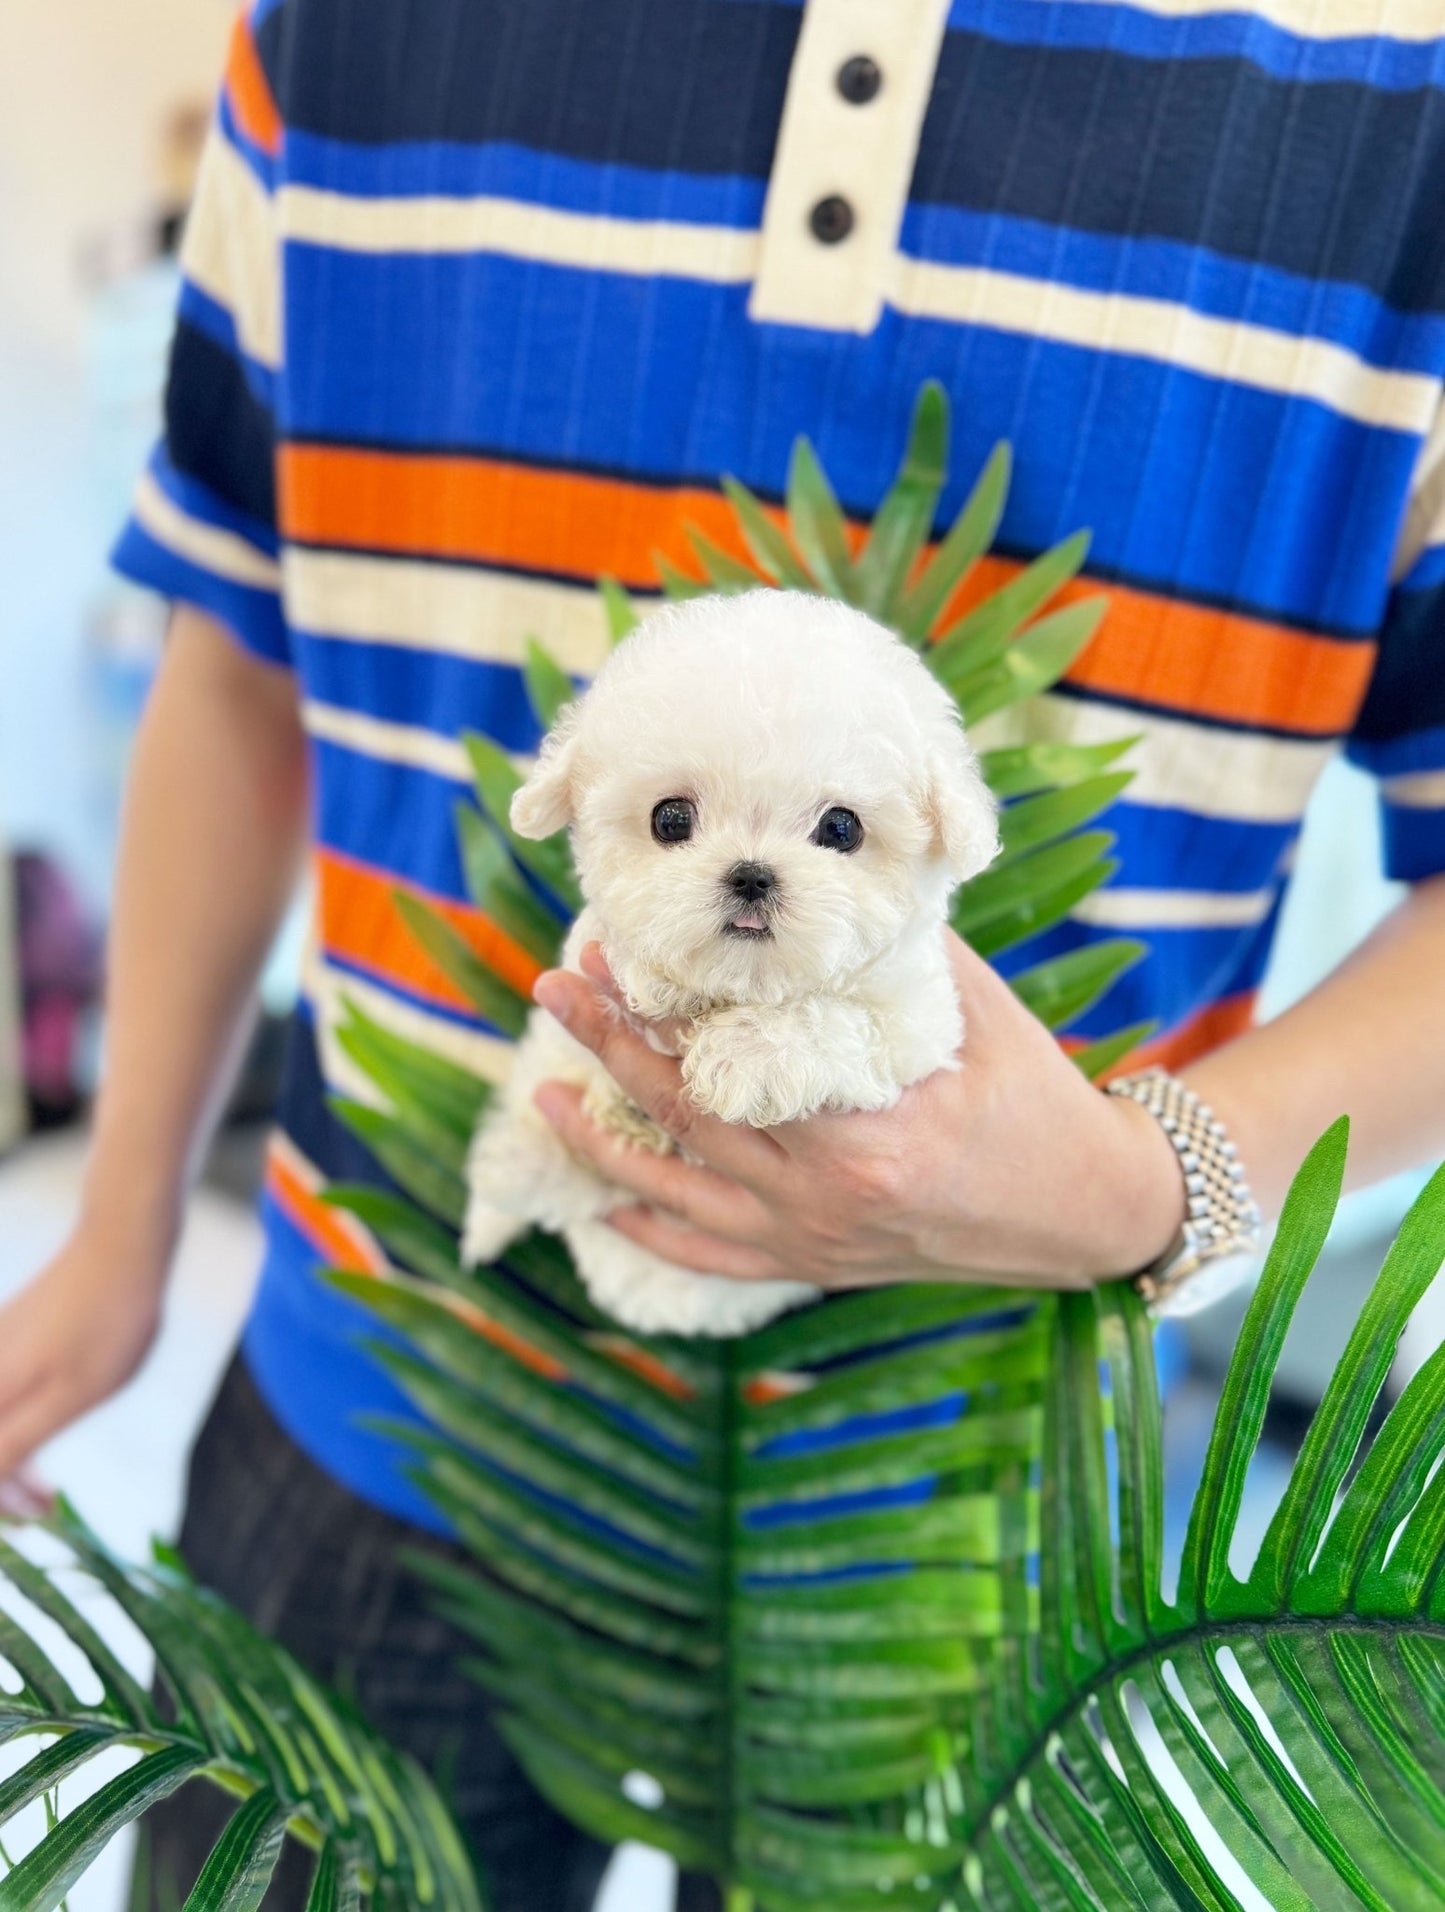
<point x="672" y="820"/>
<point x="839" y="830"/>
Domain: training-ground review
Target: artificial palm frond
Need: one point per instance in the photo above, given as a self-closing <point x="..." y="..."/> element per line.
<point x="765" y="1577"/>
<point x="232" y="1708"/>
<point x="1278" y="1726"/>
<point x="993" y="651"/>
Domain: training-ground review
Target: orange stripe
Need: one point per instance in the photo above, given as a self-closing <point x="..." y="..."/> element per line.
<point x="359" y="922"/>
<point x="1203" y="661"/>
<point x="1209" y="1028"/>
<point x="1151" y="648"/>
<point x="628" y="1355"/>
<point x="325" y="1229"/>
<point x="323" y="1226"/>
<point x="250" y="91"/>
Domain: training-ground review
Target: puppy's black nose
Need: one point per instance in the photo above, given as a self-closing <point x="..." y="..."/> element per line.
<point x="750" y="881"/>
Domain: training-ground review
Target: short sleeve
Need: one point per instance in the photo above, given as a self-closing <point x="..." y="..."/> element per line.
<point x="202" y="527"/>
<point x="1399" y="735"/>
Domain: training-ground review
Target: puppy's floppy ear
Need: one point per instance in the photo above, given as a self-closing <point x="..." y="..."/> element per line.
<point x="545" y="803"/>
<point x="957" y="802"/>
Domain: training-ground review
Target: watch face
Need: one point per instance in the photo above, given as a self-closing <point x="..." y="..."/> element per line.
<point x="1198" y="1284"/>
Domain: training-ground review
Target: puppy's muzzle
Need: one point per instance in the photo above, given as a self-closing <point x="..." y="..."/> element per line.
<point x="753" y="890"/>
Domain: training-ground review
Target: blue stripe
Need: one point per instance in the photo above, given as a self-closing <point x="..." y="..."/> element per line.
<point x="252" y="616"/>
<point x="210" y="318"/>
<point x="1184" y="970"/>
<point x="505" y="170"/>
<point x="1214" y="283"/>
<point x="1414" y="841"/>
<point x="1400" y="756"/>
<point x="391" y="817"/>
<point x="427" y="688"/>
<point x="443" y="1012"/>
<point x="302" y="1345"/>
<point x="261" y="164"/>
<point x="1387" y="65"/>
<point x="865" y="1427"/>
<point x="1209" y="282"/>
<point x="1181" y="477"/>
<point x="1427" y="573"/>
<point x="399" y="815"/>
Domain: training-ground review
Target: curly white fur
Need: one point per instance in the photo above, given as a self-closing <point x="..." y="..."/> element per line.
<point x="764" y="711"/>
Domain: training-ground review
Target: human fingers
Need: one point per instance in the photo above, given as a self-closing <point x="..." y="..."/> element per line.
<point x="694" y="1248"/>
<point x="700" y="1194"/>
<point x="653" y="1081"/>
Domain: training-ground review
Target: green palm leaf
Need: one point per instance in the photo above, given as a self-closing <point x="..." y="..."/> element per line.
<point x="1285" y="1725"/>
<point x="235" y="1710"/>
<point x="771" y="1576"/>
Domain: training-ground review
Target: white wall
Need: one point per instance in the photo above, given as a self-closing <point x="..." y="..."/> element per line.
<point x="85" y="90"/>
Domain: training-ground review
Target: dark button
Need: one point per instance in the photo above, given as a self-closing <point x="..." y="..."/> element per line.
<point x="831" y="219"/>
<point x="859" y="79"/>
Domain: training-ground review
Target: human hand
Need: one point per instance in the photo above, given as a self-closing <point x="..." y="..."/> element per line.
<point x="1011" y="1168"/>
<point x="70" y="1338"/>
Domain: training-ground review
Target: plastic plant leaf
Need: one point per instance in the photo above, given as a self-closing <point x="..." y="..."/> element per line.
<point x="234" y="1710"/>
<point x="548" y="685"/>
<point x="971" y="534"/>
<point x="904" y="519"/>
<point x="817" y="524"/>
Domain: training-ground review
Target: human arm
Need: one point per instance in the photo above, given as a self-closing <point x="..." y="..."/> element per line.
<point x="213" y="824"/>
<point x="1013" y="1168"/>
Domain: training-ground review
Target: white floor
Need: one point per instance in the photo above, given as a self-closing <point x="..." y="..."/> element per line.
<point x="124" y="1464"/>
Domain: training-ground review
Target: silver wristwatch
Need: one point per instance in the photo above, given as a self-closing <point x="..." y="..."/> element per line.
<point x="1219" y="1240"/>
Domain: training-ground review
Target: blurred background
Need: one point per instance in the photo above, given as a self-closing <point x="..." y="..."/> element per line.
<point x="102" y="110"/>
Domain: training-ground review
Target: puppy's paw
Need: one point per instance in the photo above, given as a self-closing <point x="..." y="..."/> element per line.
<point x="487" y="1233"/>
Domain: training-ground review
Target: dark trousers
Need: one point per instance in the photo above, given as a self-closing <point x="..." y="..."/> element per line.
<point x="319" y="1570"/>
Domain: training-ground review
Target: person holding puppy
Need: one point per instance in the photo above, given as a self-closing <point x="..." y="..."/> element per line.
<point x="480" y="303"/>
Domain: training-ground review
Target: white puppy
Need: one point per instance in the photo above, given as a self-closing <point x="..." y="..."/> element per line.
<point x="770" y="800"/>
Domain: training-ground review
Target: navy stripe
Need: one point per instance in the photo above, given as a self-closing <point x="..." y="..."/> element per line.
<point x="1182" y="478"/>
<point x="212" y="320"/>
<point x="1328" y="179"/>
<point x="1407" y="691"/>
<point x="217" y="431"/>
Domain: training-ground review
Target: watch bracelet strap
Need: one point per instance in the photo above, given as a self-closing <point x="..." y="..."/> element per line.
<point x="1222" y="1218"/>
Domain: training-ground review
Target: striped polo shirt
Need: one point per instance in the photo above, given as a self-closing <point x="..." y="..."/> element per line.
<point x="482" y="297"/>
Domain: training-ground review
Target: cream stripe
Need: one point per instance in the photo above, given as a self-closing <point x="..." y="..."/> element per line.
<point x="1111" y="322"/>
<point x="392" y="743"/>
<point x="223" y="552"/>
<point x="723" y="255"/>
<point x="231" y="249"/>
<point x="1173" y="909"/>
<point x="461" y="610"/>
<point x="1176" y="764"/>
<point x="438" y="607"/>
<point x="328" y="988"/>
<point x="1421" y="790"/>
<point x="1316" y="19"/>
<point x="1171" y="334"/>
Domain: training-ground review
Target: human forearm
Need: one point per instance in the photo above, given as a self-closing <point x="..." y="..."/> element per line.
<point x="1369" y="1043"/>
<point x="214" y="814"/>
